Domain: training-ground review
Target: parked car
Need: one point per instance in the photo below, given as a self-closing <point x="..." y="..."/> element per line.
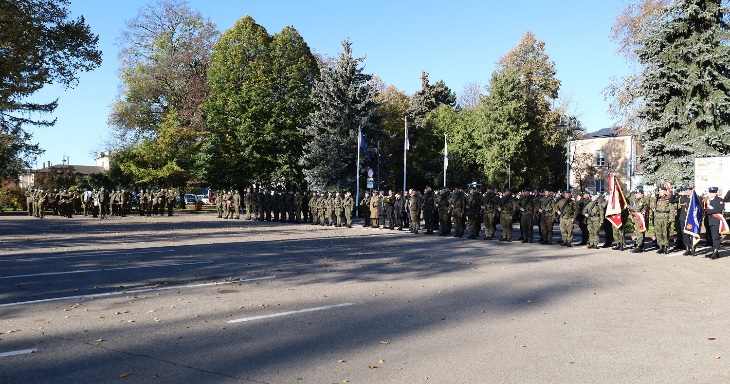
<point x="190" y="198"/>
<point x="203" y="199"/>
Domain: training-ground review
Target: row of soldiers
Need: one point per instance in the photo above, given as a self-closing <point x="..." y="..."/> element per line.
<point x="99" y="203"/>
<point x="444" y="209"/>
<point x="62" y="202"/>
<point x="317" y="208"/>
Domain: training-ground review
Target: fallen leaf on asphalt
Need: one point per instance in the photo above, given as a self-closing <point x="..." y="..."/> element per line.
<point x="156" y="376"/>
<point x="125" y="374"/>
<point x="384" y="342"/>
<point x="381" y="361"/>
<point x="717" y="357"/>
<point x="372" y="366"/>
<point x="711" y="338"/>
<point x="340" y="361"/>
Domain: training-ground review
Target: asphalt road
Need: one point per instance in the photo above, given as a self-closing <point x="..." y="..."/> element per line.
<point x="196" y="299"/>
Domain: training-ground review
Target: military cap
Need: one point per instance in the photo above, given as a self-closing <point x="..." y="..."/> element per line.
<point x="713" y="189"/>
<point x="639" y="190"/>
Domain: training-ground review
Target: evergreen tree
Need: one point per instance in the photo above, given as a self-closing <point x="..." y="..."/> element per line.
<point x="428" y="98"/>
<point x="344" y="99"/>
<point x="686" y="92"/>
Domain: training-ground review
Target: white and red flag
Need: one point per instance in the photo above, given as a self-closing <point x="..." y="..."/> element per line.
<point x="616" y="201"/>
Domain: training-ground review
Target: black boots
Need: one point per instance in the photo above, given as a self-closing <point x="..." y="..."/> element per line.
<point x="715" y="255"/>
<point x="637" y="250"/>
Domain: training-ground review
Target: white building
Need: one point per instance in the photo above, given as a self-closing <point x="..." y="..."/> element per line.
<point x="595" y="155"/>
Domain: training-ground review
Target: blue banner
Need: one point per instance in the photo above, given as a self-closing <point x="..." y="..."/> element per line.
<point x="693" y="223"/>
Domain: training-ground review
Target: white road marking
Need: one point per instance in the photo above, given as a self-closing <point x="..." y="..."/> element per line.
<point x="87" y="254"/>
<point x="132" y="292"/>
<point x="20" y="352"/>
<point x="105" y="269"/>
<point x="288" y="313"/>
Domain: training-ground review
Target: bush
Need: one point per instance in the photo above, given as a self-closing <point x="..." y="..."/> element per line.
<point x="12" y="199"/>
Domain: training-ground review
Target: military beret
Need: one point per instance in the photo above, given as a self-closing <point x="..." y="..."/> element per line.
<point x="712" y="189"/>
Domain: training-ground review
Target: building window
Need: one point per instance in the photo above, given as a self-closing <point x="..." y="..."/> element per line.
<point x="600" y="186"/>
<point x="600" y="158"/>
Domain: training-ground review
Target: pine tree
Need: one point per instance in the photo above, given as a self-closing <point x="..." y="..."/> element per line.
<point x="686" y="91"/>
<point x="344" y="99"/>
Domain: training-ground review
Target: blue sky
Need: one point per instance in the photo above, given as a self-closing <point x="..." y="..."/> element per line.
<point x="457" y="42"/>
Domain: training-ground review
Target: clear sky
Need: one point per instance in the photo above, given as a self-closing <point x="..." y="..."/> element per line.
<point x="457" y="42"/>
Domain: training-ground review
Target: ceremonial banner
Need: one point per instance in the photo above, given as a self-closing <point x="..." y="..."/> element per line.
<point x="694" y="215"/>
<point x="641" y="219"/>
<point x="616" y="202"/>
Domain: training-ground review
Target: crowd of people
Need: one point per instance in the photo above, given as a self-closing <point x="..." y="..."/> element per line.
<point x="438" y="212"/>
<point x="100" y="203"/>
<point x="455" y="211"/>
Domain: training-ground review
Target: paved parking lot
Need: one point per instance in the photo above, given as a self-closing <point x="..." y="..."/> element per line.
<point x="192" y="298"/>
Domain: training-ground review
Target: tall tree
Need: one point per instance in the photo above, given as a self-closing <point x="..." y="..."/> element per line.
<point x="531" y="140"/>
<point x="165" y="56"/>
<point x="260" y="99"/>
<point x="635" y="23"/>
<point x="345" y="98"/>
<point x="39" y="45"/>
<point x="503" y="125"/>
<point x="428" y="98"/>
<point x="686" y="94"/>
<point x="393" y="106"/>
<point x="425" y="100"/>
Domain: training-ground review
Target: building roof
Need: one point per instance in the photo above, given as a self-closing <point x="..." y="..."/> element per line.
<point x="82" y="169"/>
<point x="605" y="132"/>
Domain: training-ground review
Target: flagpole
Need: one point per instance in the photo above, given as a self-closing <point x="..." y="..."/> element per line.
<point x="357" y="175"/>
<point x="405" y="153"/>
<point x="446" y="158"/>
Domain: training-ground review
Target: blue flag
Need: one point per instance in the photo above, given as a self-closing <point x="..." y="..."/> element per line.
<point x="364" y="146"/>
<point x="692" y="225"/>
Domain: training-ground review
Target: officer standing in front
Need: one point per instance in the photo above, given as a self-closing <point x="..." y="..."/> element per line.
<point x="714" y="208"/>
